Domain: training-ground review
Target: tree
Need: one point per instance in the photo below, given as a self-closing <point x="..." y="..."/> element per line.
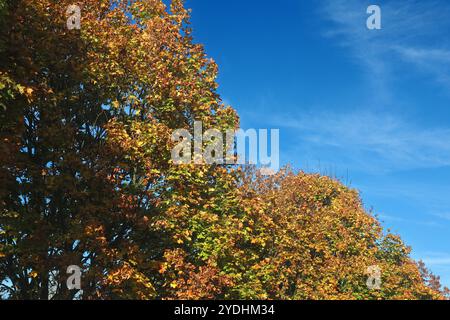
<point x="86" y="175"/>
<point x="88" y="179"/>
<point x="318" y="242"/>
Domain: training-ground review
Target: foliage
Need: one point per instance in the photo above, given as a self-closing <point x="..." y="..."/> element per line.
<point x="319" y="242"/>
<point x="86" y="176"/>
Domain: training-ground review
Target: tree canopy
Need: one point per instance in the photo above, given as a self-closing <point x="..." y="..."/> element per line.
<point x="86" y="176"/>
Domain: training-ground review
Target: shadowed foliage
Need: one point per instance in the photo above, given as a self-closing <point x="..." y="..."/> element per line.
<point x="86" y="175"/>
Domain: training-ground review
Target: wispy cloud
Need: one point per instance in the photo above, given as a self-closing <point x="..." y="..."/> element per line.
<point x="434" y="259"/>
<point x="438" y="262"/>
<point x="433" y="61"/>
<point x="444" y="216"/>
<point x="422" y="223"/>
<point x="407" y="27"/>
<point x="376" y="141"/>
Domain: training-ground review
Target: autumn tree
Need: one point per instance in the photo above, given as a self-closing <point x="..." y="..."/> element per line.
<point x="86" y="174"/>
<point x="87" y="179"/>
<point x="316" y="241"/>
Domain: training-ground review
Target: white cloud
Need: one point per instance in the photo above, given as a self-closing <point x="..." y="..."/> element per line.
<point x="377" y="141"/>
<point x="407" y="27"/>
<point x="432" y="61"/>
<point x="438" y="262"/>
<point x="422" y="223"/>
<point x="434" y="259"/>
<point x="422" y="55"/>
<point x="445" y="216"/>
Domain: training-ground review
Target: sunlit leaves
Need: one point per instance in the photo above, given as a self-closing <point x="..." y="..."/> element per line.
<point x="86" y="175"/>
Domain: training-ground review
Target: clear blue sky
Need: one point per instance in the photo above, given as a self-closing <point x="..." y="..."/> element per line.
<point x="369" y="106"/>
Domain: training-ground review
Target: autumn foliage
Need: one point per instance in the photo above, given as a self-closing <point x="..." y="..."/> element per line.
<point x="86" y="176"/>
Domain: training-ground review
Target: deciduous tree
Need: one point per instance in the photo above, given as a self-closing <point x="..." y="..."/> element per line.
<point x="87" y="179"/>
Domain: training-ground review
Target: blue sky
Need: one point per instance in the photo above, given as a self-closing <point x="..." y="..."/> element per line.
<point x="369" y="106"/>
